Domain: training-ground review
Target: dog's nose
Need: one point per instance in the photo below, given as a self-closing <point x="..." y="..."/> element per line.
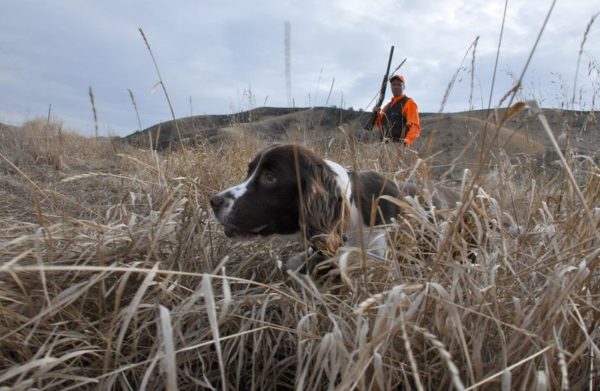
<point x="217" y="201"/>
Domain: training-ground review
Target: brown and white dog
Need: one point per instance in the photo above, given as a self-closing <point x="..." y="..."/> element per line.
<point x="292" y="192"/>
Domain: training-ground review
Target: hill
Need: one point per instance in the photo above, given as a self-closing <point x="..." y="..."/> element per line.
<point x="446" y="138"/>
<point x="268" y="122"/>
<point x="4" y="127"/>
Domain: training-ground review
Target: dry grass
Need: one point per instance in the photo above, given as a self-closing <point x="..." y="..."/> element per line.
<point x="140" y="289"/>
<point x="38" y="142"/>
<point x="42" y="153"/>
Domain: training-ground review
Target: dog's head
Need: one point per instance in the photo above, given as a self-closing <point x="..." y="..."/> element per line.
<point x="288" y="190"/>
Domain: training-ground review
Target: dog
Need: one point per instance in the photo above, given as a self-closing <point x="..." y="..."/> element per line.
<point x="291" y="192"/>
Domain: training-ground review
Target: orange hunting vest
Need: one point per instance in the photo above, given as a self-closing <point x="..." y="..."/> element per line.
<point x="399" y="120"/>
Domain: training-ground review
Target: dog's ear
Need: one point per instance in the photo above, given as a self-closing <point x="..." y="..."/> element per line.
<point x="325" y="213"/>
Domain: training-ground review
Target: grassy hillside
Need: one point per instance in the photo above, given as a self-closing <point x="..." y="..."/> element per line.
<point x="450" y="140"/>
<point x="114" y="275"/>
<point x="265" y="122"/>
<point x="274" y="123"/>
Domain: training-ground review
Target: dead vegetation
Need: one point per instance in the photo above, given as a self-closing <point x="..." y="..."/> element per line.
<point x="114" y="276"/>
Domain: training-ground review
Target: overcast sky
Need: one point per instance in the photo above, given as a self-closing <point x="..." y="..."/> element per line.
<point x="211" y="53"/>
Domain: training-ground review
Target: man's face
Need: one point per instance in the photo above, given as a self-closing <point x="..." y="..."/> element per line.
<point x="397" y="87"/>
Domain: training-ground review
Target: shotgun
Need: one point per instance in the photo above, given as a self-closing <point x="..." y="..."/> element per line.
<point x="382" y="90"/>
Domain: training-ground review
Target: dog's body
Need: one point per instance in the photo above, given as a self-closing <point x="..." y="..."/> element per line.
<point x="291" y="191"/>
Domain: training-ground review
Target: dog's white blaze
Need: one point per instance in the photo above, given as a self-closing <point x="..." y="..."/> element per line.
<point x="235" y="192"/>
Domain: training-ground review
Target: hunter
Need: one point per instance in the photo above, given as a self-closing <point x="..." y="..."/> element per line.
<point x="399" y="119"/>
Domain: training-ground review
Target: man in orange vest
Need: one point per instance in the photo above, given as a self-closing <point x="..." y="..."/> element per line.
<point x="399" y="119"/>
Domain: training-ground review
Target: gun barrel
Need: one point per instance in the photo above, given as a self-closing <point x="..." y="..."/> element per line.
<point x="383" y="88"/>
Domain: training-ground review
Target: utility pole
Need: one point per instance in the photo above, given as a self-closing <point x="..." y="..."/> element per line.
<point x="288" y="63"/>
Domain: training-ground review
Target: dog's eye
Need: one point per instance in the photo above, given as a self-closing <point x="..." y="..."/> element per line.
<point x="268" y="177"/>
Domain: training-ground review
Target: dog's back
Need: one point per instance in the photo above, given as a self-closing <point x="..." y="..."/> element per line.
<point x="370" y="186"/>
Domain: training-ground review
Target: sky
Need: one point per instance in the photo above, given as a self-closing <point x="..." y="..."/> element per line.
<point x="223" y="57"/>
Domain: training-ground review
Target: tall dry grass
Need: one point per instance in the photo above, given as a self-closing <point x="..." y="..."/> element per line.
<point x="36" y="155"/>
<point x="113" y="275"/>
<point x="145" y="292"/>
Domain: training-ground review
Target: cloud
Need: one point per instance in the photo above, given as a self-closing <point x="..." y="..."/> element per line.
<point x="211" y="53"/>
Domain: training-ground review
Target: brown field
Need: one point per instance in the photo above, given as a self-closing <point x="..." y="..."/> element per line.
<point x="114" y="275"/>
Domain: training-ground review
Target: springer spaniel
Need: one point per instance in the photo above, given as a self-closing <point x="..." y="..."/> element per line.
<point x="290" y="191"/>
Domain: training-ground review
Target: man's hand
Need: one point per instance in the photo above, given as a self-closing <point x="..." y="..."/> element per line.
<point x="376" y="109"/>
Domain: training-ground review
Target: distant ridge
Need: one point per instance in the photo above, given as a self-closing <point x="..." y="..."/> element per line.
<point x="210" y="126"/>
<point x="446" y="135"/>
